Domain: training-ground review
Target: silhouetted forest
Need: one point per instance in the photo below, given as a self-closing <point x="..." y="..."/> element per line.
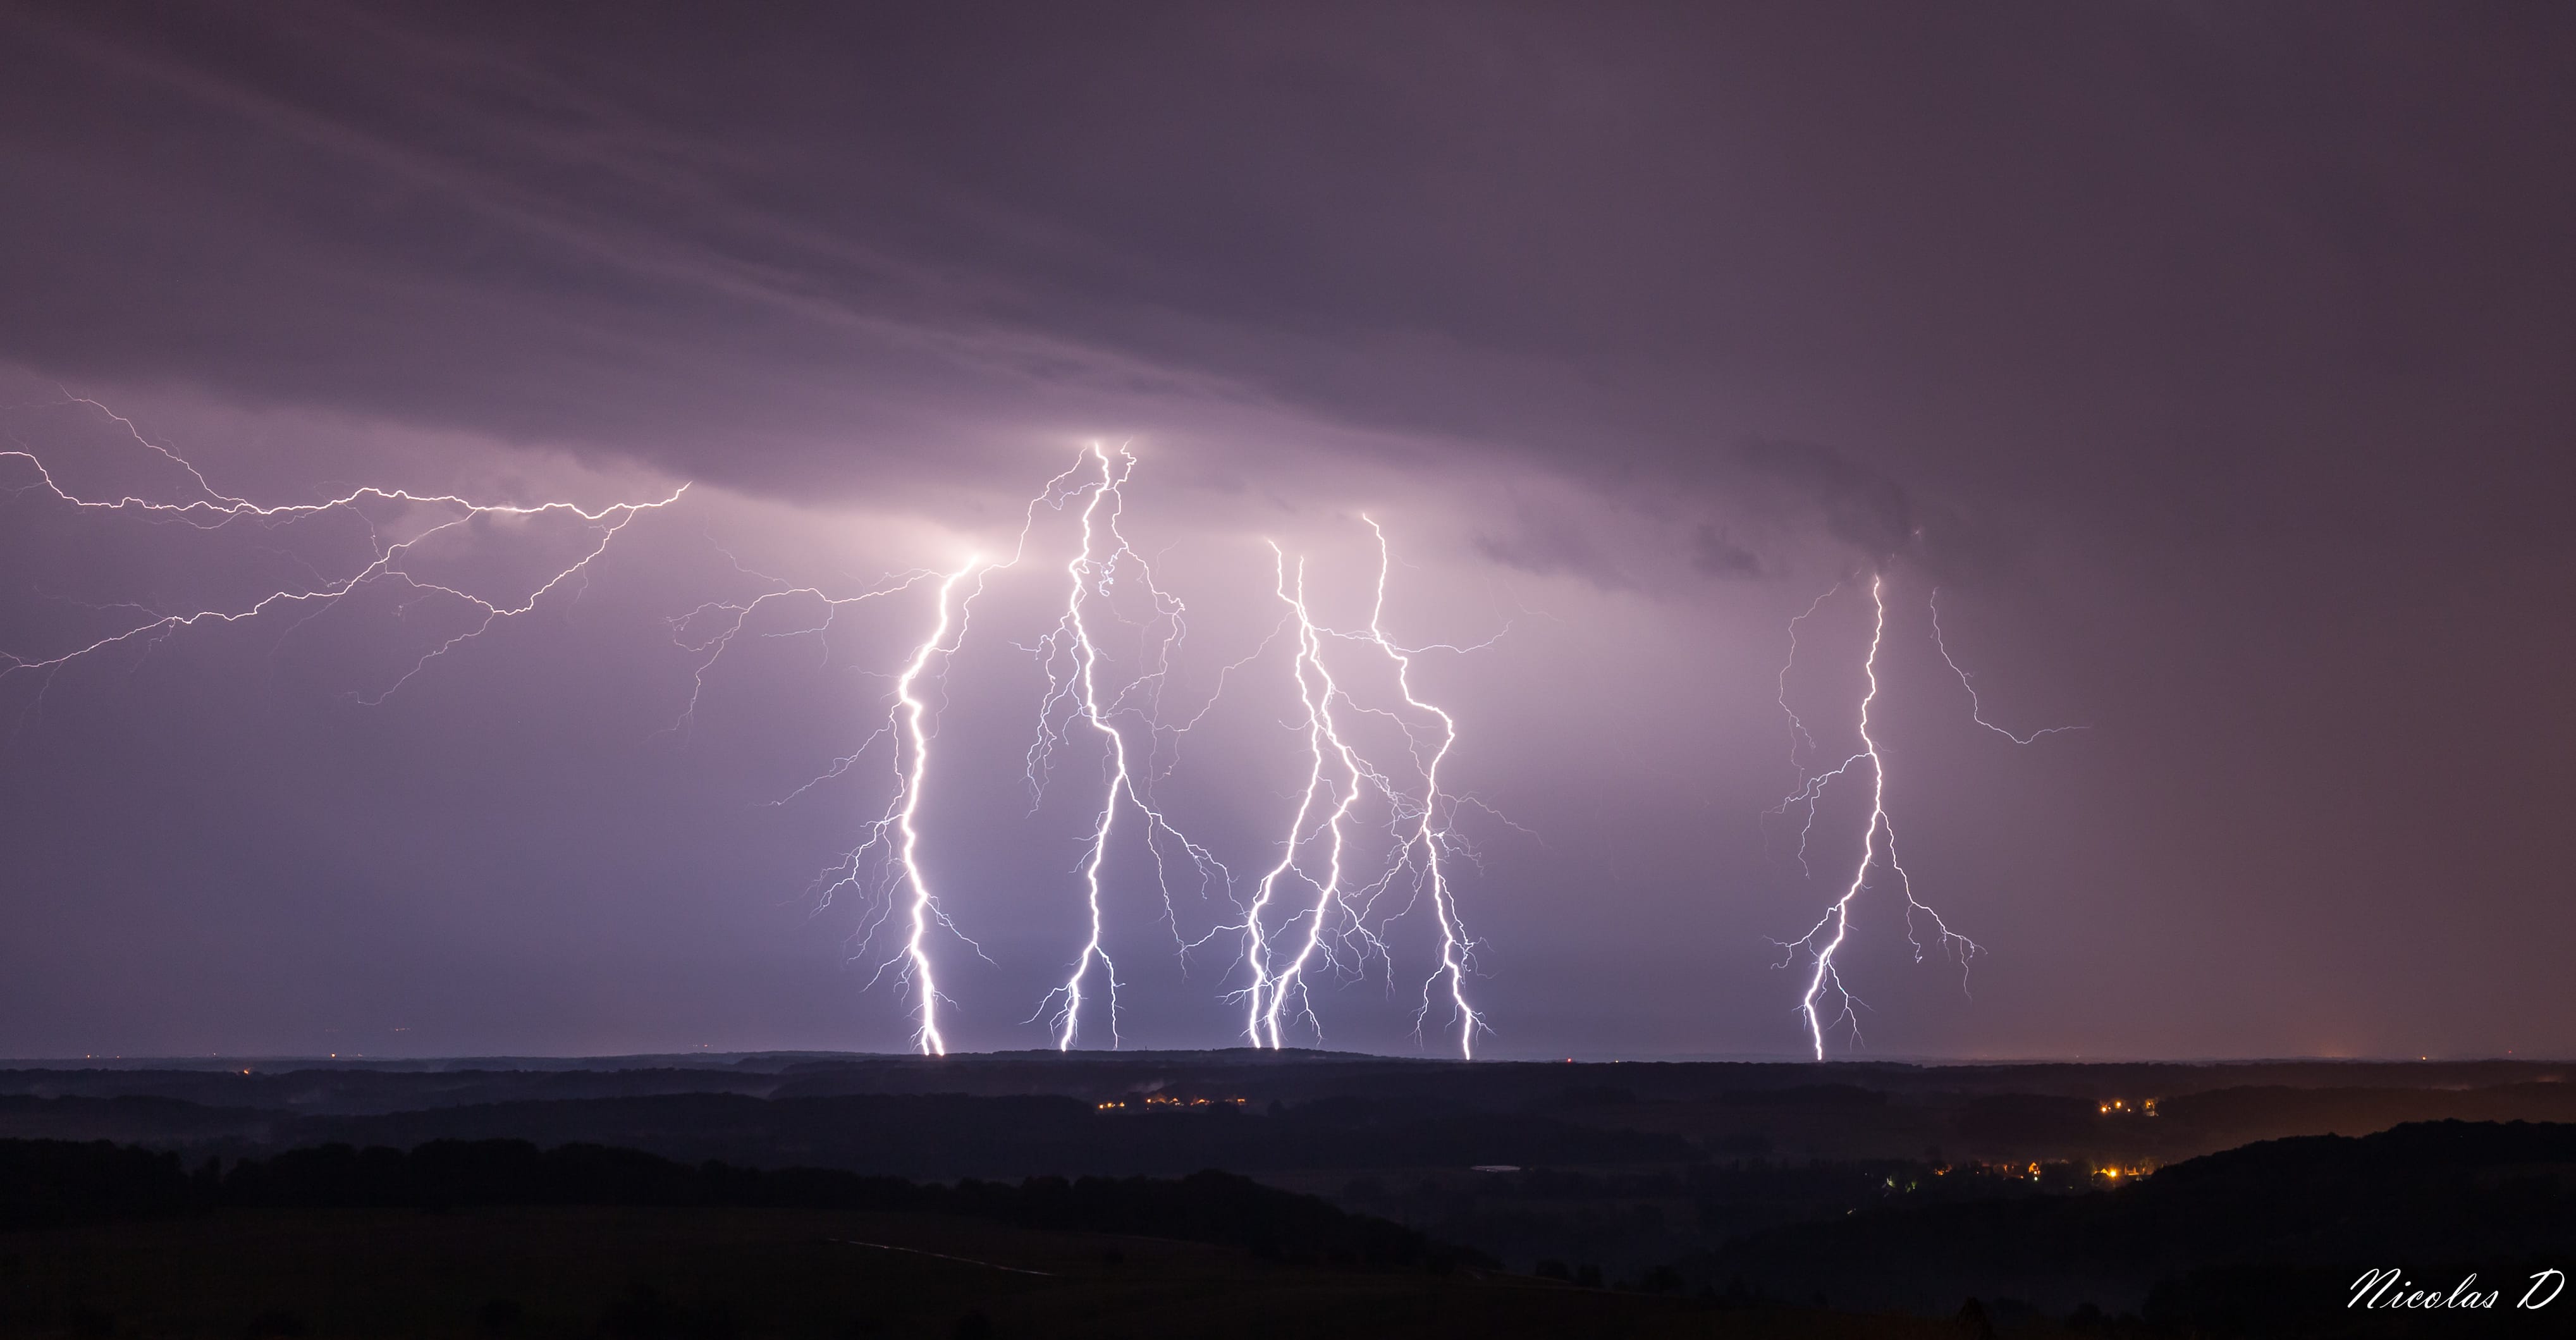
<point x="49" y="1183"/>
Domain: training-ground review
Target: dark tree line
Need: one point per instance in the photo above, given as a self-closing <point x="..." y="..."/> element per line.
<point x="45" y="1183"/>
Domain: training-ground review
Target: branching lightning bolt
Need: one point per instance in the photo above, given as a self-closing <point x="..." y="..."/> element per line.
<point x="385" y="563"/>
<point x="1816" y="941"/>
<point x="1343" y="913"/>
<point x="892" y="844"/>
<point x="894" y="836"/>
<point x="1826" y="938"/>
<point x="1977" y="707"/>
<point x="730" y="618"/>
<point x="906" y="809"/>
<point x="1259" y="1024"/>
<point x="1428" y="834"/>
<point x="1072" y="656"/>
<point x="1274" y="988"/>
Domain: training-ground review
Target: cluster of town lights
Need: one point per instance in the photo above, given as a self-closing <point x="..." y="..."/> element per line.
<point x="2038" y="1171"/>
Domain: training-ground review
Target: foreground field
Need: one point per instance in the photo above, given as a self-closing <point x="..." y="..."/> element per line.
<point x="707" y="1274"/>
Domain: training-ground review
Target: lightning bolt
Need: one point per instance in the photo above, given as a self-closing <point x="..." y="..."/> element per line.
<point x="730" y="618"/>
<point x="1274" y="988"/>
<point x="385" y="563"/>
<point x="1802" y="741"/>
<point x="1976" y="706"/>
<point x="1083" y="574"/>
<point x="1798" y="733"/>
<point x="1825" y="939"/>
<point x="888" y="861"/>
<point x="893" y="840"/>
<point x="1339" y="911"/>
<point x="1838" y="916"/>
<point x="1072" y="656"/>
<point x="1261" y="1012"/>
<point x="904" y="812"/>
<point x="1428" y="836"/>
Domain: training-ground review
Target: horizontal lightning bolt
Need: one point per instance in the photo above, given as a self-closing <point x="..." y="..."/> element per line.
<point x="1976" y="706"/>
<point x="385" y="564"/>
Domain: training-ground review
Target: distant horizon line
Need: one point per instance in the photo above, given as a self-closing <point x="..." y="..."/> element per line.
<point x="1050" y="1055"/>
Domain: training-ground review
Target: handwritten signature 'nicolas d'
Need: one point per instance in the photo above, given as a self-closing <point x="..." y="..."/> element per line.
<point x="2390" y="1289"/>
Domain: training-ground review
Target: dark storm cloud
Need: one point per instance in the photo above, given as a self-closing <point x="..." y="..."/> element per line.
<point x="1854" y="503"/>
<point x="1714" y="552"/>
<point x="1802" y="487"/>
<point x="784" y="247"/>
<point x="1546" y="542"/>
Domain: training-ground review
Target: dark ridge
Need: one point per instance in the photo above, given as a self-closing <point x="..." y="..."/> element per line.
<point x="49" y="1183"/>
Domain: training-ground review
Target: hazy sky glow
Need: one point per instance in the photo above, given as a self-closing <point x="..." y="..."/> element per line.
<point x="2210" y="363"/>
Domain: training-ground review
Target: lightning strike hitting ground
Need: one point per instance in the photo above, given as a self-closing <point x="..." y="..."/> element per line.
<point x="906" y="810"/>
<point x="1878" y="841"/>
<point x="1072" y="656"/>
<point x="1273" y="988"/>
<point x="385" y="564"/>
<point x="1341" y="913"/>
<point x="1428" y="834"/>
<point x="1258" y="1019"/>
<point x="893" y="839"/>
<point x="888" y="863"/>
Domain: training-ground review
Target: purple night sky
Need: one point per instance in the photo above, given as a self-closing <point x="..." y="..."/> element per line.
<point x="2212" y="363"/>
